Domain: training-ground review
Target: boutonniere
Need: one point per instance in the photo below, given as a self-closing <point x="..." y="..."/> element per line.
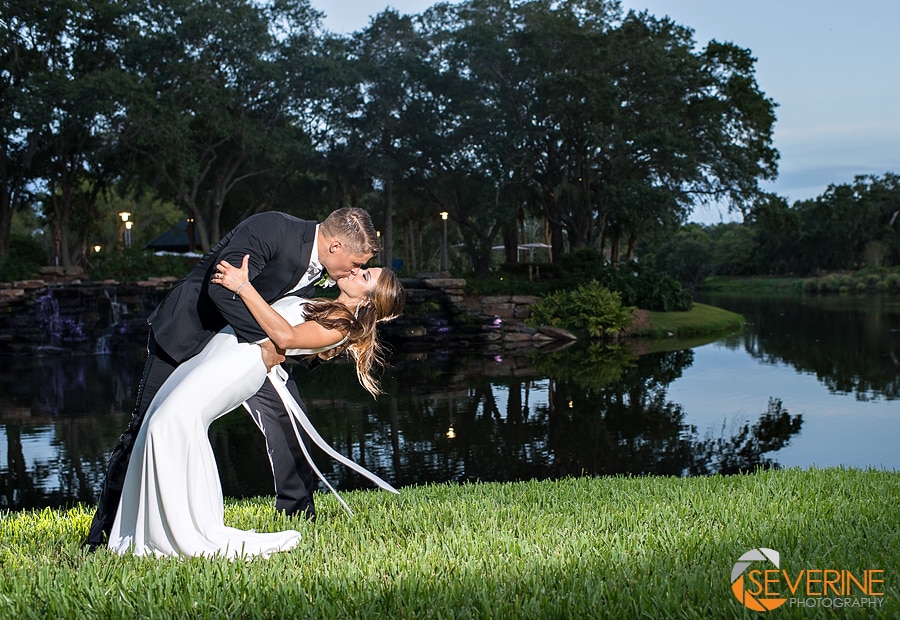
<point x="326" y="280"/>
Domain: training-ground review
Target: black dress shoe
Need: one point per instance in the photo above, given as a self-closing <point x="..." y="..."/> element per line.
<point x="91" y="546"/>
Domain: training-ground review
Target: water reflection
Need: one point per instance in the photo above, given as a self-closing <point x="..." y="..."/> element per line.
<point x="449" y="416"/>
<point x="851" y="344"/>
<point x="59" y="417"/>
<point x="454" y="416"/>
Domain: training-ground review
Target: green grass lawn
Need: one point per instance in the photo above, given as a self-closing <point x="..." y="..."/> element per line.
<point x="700" y="320"/>
<point x="622" y="547"/>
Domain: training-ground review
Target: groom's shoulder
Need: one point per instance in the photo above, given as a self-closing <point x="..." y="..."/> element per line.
<point x="276" y="218"/>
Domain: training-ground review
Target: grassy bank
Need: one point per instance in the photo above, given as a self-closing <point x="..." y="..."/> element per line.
<point x="701" y="320"/>
<point x="577" y="548"/>
<point x="863" y="282"/>
<point x="753" y="285"/>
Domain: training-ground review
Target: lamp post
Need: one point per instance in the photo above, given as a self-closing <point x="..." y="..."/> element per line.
<point x="190" y="234"/>
<point x="444" y="215"/>
<point x="126" y="230"/>
<point x="378" y="255"/>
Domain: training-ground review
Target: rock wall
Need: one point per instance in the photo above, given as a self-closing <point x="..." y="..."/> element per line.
<point x="82" y="316"/>
<point x="75" y="316"/>
<point x="440" y="312"/>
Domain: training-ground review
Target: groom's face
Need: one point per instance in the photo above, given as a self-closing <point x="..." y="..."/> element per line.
<point x="339" y="263"/>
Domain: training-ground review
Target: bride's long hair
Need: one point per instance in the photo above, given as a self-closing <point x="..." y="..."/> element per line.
<point x="359" y="325"/>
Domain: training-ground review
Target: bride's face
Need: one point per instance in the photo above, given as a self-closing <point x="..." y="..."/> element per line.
<point x="360" y="284"/>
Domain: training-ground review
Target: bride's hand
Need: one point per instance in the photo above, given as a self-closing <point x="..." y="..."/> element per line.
<point x="232" y="277"/>
<point x="271" y="355"/>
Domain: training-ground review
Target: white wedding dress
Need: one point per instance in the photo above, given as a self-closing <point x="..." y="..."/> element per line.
<point x="172" y="500"/>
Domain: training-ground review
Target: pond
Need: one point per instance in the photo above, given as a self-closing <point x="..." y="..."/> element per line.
<point x="808" y="382"/>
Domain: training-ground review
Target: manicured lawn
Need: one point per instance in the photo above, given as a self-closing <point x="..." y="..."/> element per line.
<point x="622" y="547"/>
<point x="700" y="320"/>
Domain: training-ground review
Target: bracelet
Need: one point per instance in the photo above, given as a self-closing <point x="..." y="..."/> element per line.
<point x="238" y="289"/>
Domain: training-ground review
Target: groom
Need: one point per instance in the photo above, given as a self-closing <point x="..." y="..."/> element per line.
<point x="287" y="257"/>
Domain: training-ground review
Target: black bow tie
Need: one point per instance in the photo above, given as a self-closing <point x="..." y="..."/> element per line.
<point x="314" y="270"/>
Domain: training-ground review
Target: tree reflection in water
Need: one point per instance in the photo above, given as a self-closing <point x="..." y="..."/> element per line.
<point x="851" y="344"/>
<point x="581" y="411"/>
<point x="447" y="416"/>
<point x="60" y="415"/>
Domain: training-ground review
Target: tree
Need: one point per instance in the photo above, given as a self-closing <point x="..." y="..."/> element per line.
<point x="687" y="256"/>
<point x="839" y="228"/>
<point x="776" y="230"/>
<point x="209" y="104"/>
<point x="468" y="161"/>
<point x="19" y="60"/>
<point x="65" y="68"/>
<point x="631" y="125"/>
<point x="388" y="59"/>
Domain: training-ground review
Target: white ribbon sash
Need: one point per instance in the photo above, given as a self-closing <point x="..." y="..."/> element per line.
<point x="278" y="376"/>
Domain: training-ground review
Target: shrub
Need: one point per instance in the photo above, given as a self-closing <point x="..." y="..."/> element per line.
<point x="582" y="265"/>
<point x="15" y="268"/>
<point x="26" y="255"/>
<point x="534" y="271"/>
<point x="589" y="309"/>
<point x="639" y="284"/>
<point x="892" y="281"/>
<point x="829" y="284"/>
<point x="133" y="264"/>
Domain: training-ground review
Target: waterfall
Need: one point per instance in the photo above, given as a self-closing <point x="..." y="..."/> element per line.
<point x="57" y="328"/>
<point x="117" y="311"/>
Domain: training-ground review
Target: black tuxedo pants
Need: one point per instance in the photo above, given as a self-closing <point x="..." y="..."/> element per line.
<point x="293" y="475"/>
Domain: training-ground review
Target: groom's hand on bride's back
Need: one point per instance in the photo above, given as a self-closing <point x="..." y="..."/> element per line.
<point x="314" y="361"/>
<point x="271" y="355"/>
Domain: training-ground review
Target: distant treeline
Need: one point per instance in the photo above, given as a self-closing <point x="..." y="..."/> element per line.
<point x="849" y="227"/>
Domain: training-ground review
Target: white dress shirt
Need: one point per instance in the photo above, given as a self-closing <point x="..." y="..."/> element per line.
<point x="315" y="270"/>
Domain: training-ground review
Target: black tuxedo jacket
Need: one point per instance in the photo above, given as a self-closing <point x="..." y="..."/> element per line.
<point x="280" y="247"/>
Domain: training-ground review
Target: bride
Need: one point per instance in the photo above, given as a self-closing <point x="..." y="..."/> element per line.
<point x="172" y="501"/>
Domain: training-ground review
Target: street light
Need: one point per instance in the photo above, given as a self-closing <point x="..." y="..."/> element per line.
<point x="444" y="215"/>
<point x="378" y="254"/>
<point x="126" y="230"/>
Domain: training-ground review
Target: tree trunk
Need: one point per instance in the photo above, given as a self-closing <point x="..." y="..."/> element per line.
<point x="6" y="212"/>
<point x="511" y="242"/>
<point x="481" y="263"/>
<point x="387" y="235"/>
<point x="556" y="241"/>
<point x="632" y="244"/>
<point x="614" y="249"/>
<point x="60" y="204"/>
<point x="411" y="246"/>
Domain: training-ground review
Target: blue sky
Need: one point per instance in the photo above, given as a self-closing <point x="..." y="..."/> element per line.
<point x="832" y="67"/>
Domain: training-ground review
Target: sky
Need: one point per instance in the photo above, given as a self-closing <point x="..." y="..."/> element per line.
<point x="831" y="66"/>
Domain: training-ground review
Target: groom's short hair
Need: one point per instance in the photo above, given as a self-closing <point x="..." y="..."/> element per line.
<point x="354" y="227"/>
